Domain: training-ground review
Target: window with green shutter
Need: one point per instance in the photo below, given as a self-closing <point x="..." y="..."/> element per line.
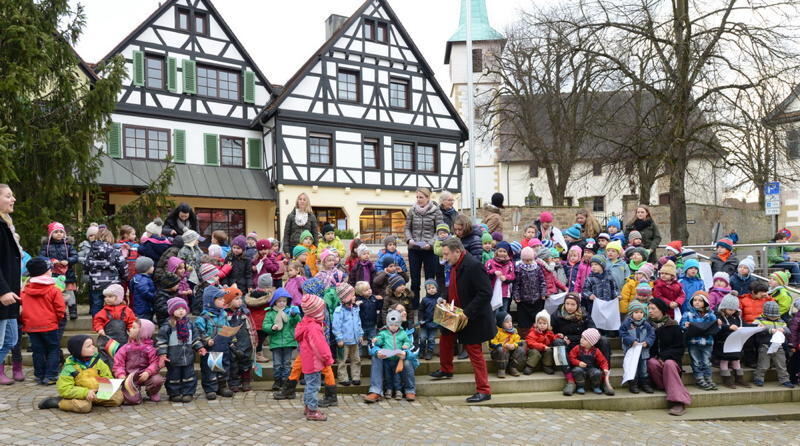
<point x="189" y="76"/>
<point x="115" y="140"/>
<point x="172" y="74"/>
<point x="254" y="153"/>
<point x="212" y="149"/>
<point x="138" y="68"/>
<point x="249" y="86"/>
<point x="179" y="146"/>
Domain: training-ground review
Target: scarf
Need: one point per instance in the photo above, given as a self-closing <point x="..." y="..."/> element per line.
<point x="576" y="316"/>
<point x="635" y="266"/>
<point x="637" y="323"/>
<point x="424" y="209"/>
<point x="452" y="290"/>
<point x="183" y="225"/>
<point x="724" y="257"/>
<point x="281" y="318"/>
<point x="300" y="217"/>
<point x="182" y="327"/>
<point x="641" y="224"/>
<point x="365" y="268"/>
<point x="660" y="322"/>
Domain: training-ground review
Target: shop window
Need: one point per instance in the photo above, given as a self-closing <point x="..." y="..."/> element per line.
<point x="232" y="221"/>
<point x="377" y="224"/>
<point x="334" y="216"/>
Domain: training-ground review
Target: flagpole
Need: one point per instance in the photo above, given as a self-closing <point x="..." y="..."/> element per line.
<point x="470" y="113"/>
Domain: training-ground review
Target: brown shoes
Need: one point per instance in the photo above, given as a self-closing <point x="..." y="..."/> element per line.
<point x="372" y="398"/>
<point x="677" y="409"/>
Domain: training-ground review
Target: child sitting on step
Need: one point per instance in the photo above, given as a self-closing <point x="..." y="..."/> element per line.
<point x="589" y="365"/>
<point x="540" y="345"/>
<point x="635" y="329"/>
<point x="508" y="349"/>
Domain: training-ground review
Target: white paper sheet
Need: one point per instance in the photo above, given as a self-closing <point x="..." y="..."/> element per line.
<point x="706" y="275"/>
<point x="215" y="362"/>
<point x="560" y="356"/>
<point x="497" y="294"/>
<point x="631" y="363"/>
<point x="605" y="314"/>
<point x="736" y="340"/>
<point x="551" y="303"/>
<point x="777" y="340"/>
<point x="107" y="387"/>
<point x="678" y="315"/>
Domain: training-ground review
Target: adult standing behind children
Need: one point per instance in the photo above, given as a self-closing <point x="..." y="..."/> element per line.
<point x="492" y="217"/>
<point x="470" y="290"/>
<point x="10" y="276"/>
<point x="644" y="224"/>
<point x="590" y="227"/>
<point x="180" y="220"/>
<point x="447" y="206"/>
<point x="545" y="230"/>
<point x="420" y="232"/>
<point x="301" y="219"/>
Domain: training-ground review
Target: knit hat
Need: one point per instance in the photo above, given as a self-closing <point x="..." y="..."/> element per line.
<point x="721" y="275"/>
<point x="497" y="199"/>
<point x="614" y="222"/>
<point x="546" y="217"/>
<point x="675" y="246"/>
<point x="215" y="251"/>
<point x="93" y="228"/>
<point x="75" y="345"/>
<point x="325" y="253"/>
<point x="304" y="235"/>
<point x="168" y="280"/>
<point x="143" y="264"/>
<point x="486" y="238"/>
<point x="146" y="329"/>
<point x="395" y="281"/>
<point x="264" y="244"/>
<point x="534" y="242"/>
<point x="547" y="243"/>
<point x="503" y="245"/>
<point x="573" y="296"/>
<point x="443" y="227"/>
<point x="116" y="292"/>
<point x="729" y="302"/>
<point x="591" y="335"/>
<point x="554" y="253"/>
<point x="173" y="263"/>
<point x="796" y="305"/>
<point x="634" y="235"/>
<point x="528" y="253"/>
<point x="543" y="315"/>
<point x="576" y="248"/>
<point x="314" y="286"/>
<point x="430" y="282"/>
<point x="600" y="260"/>
<point x="749" y="263"/>
<point x="231" y="293"/>
<point x="53" y="227"/>
<point x="209" y="273"/>
<point x="252" y="235"/>
<point x="298" y="251"/>
<point x="691" y="263"/>
<point x="573" y="231"/>
<point x="662" y="305"/>
<point x="394" y="318"/>
<point x="644" y="289"/>
<point x="516" y="247"/>
<point x="239" y="241"/>
<point x="327" y="227"/>
<point x="544" y="254"/>
<point x="387" y="261"/>
<point x="389" y="239"/>
<point x="37" y="266"/>
<point x="265" y="281"/>
<point x="177" y="241"/>
<point x="174" y="304"/>
<point x="280" y="293"/>
<point x="725" y="242"/>
<point x="771" y="309"/>
<point x="642" y="251"/>
<point x="590" y="245"/>
<point x="688" y="254"/>
<point x="484" y="227"/>
<point x="781" y="277"/>
<point x="635" y="305"/>
<point x="603" y="236"/>
<point x="362" y="249"/>
<point x="155" y="227"/>
<point x="669" y="268"/>
<point x="615" y="245"/>
<point x="190" y="236"/>
<point x="345" y="290"/>
<point x="648" y="270"/>
<point x="210" y="294"/>
<point x="500" y="318"/>
<point x="703" y="295"/>
<point x="497" y="236"/>
<point x="313" y="307"/>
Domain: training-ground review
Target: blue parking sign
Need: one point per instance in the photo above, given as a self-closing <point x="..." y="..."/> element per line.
<point x="772" y="188"/>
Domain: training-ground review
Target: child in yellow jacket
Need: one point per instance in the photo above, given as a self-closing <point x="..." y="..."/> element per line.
<point x="507" y="347"/>
<point x="628" y="294"/>
<point x="330" y="241"/>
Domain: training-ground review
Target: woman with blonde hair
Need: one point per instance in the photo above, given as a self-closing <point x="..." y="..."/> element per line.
<point x="421" y="222"/>
<point x="590" y="225"/>
<point x="301" y="219"/>
<point x="10" y="280"/>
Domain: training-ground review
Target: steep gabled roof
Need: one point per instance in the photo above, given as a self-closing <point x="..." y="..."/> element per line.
<point x="328" y="44"/>
<point x="779" y="114"/>
<point x="217" y="16"/>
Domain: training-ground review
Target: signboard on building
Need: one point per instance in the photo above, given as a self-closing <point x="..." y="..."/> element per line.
<point x="772" y="198"/>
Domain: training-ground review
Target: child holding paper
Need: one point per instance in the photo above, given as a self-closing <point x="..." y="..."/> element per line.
<point x="77" y="384"/>
<point x="209" y="324"/>
<point x="137" y="362"/>
<point x="178" y="340"/>
<point x="507" y="348"/>
<point x="729" y="320"/>
<point x="771" y="319"/>
<point x="700" y="325"/>
<point x="501" y="268"/>
<point x="636" y="330"/>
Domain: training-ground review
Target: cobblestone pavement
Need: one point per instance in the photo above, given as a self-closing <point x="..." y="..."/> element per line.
<point x="255" y="418"/>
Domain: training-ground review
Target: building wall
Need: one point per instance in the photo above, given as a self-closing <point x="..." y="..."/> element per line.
<point x="259" y="215"/>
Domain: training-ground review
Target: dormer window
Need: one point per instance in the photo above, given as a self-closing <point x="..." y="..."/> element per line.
<point x="182" y="19"/>
<point x="375" y="31"/>
<point x="201" y="23"/>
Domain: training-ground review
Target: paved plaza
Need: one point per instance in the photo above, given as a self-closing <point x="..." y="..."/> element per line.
<point x="255" y="418"/>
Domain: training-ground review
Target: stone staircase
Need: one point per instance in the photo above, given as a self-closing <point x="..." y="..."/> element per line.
<point x="540" y="390"/>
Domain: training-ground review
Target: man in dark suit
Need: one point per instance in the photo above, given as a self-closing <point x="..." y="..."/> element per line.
<point x="470" y="289"/>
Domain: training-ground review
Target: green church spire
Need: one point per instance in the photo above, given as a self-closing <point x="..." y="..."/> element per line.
<point x="481" y="29"/>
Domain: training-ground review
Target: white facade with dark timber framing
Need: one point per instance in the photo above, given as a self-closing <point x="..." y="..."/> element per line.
<point x="193" y="94"/>
<point x="361" y="125"/>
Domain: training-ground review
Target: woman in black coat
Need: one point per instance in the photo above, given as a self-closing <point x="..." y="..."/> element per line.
<point x="666" y="357"/>
<point x="301" y="219"/>
<point x="471" y="290"/>
<point x="181" y="219"/>
<point x="571" y="320"/>
<point x="644" y="223"/>
<point x="10" y="276"/>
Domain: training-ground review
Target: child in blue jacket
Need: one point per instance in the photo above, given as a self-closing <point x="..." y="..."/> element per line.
<point x="691" y="282"/>
<point x="143" y="289"/>
<point x="635" y="329"/>
<point x="700" y="325"/>
<point x="348" y="333"/>
<point x="428" y="328"/>
<point x="390" y="249"/>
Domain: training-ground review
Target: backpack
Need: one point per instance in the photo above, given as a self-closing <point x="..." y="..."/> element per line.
<point x="116" y="329"/>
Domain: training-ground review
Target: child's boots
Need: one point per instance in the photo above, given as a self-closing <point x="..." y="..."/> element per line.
<point x="330" y="399"/>
<point x="247" y="379"/>
<point x="739" y="380"/>
<point x="278" y="384"/>
<point x="73" y="312"/>
<point x="287" y="392"/>
<point x="19" y="374"/>
<point x="633" y="386"/>
<point x="315" y="415"/>
<point x="569" y="387"/>
<point x="501" y="369"/>
<point x="727" y="381"/>
<point x="224" y="391"/>
<point x="644" y="383"/>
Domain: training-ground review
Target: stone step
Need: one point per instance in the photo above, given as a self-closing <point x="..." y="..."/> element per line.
<point x="625" y="401"/>
<point x="748" y="412"/>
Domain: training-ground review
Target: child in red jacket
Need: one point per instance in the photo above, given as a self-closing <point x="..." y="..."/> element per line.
<point x="315" y="354"/>
<point x="554" y="286"/>
<point x="668" y="289"/>
<point x="540" y="341"/>
<point x="115" y="318"/>
<point x="43" y="308"/>
<point x="588" y="364"/>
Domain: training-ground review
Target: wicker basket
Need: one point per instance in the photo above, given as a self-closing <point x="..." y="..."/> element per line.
<point x="450" y="317"/>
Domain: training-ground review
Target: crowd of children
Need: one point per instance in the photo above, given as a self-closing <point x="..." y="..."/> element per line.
<point x="159" y="302"/>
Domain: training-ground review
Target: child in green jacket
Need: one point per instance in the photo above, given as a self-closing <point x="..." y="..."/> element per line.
<point x="77" y="384"/>
<point x="777" y="290"/>
<point x="279" y="325"/>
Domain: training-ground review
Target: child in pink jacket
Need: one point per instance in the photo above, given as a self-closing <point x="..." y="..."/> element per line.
<point x="501" y="267"/>
<point x="137" y="363"/>
<point x="576" y="270"/>
<point x="315" y="354"/>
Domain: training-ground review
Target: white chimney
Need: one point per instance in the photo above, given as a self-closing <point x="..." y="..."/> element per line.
<point x="333" y="23"/>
